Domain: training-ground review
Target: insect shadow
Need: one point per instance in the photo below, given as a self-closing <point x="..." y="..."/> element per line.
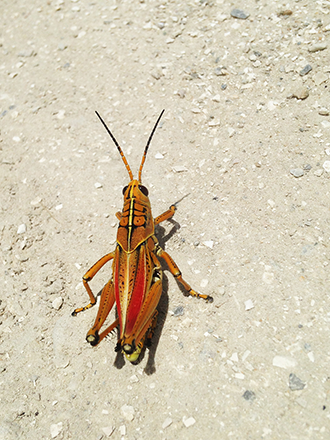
<point x="162" y="308"/>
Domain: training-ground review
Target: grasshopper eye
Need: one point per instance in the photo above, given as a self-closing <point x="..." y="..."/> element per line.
<point x="144" y="190"/>
<point x="124" y="189"/>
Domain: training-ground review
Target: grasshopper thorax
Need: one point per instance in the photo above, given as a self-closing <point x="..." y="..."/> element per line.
<point x="136" y="222"/>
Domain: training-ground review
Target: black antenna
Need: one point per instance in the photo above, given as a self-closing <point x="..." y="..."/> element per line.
<point x="147" y="146"/>
<point x="118" y="146"/>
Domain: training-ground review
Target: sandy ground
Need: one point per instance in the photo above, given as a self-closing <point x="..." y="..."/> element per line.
<point x="244" y="138"/>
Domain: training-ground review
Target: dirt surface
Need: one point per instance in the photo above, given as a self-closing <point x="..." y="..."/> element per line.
<point x="244" y="138"/>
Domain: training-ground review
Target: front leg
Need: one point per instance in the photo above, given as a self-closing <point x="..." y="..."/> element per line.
<point x="166" y="215"/>
<point x="175" y="271"/>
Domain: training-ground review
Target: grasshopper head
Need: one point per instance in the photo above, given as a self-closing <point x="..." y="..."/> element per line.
<point x="135" y="190"/>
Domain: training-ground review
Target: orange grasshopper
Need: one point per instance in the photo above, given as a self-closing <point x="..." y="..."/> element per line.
<point x="136" y="282"/>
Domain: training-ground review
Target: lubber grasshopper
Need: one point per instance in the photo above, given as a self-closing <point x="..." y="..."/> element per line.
<point x="136" y="282"/>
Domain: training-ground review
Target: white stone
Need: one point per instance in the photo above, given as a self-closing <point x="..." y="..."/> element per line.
<point x="325" y="124"/>
<point x="268" y="277"/>
<point x="57" y="303"/>
<point x="240" y="376"/>
<point x="284" y="362"/>
<point x="248" y="304"/>
<point x="188" y="421"/>
<point x="55" y="429"/>
<point x="127" y="412"/>
<point x="231" y="131"/>
<point x="326" y="166"/>
<point x="21" y="229"/>
<point x="311" y="356"/>
<point x="60" y="114"/>
<point x="36" y="201"/>
<point x="179" y="168"/>
<point x="167" y="422"/>
<point x="108" y="430"/>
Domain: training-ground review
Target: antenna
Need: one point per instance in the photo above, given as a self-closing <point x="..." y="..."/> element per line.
<point x="147" y="146"/>
<point x="118" y="146"/>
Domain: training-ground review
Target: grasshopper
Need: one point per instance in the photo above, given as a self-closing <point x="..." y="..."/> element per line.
<point x="136" y="282"/>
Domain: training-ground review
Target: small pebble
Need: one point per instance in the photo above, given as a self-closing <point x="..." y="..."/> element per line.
<point x="108" y="430"/>
<point x="167" y="422"/>
<point x="240" y="376"/>
<point x="300" y="93"/>
<point x="98" y="185"/>
<point x="60" y="114"/>
<point x="57" y="303"/>
<point x="21" y="229"/>
<point x="231" y="131"/>
<point x="157" y="74"/>
<point x="238" y="13"/>
<point x="181" y="93"/>
<point x="220" y="72"/>
<point x="249" y="395"/>
<point x="311" y="356"/>
<point x="325" y="124"/>
<point x="285" y="13"/>
<point x="297" y="172"/>
<point x="159" y="156"/>
<point x="209" y="243"/>
<point x="319" y="172"/>
<point x="36" y="201"/>
<point x="248" y="304"/>
<point x="179" y="168"/>
<point x="122" y="429"/>
<point x="268" y="277"/>
<point x="295" y="383"/>
<point x="27" y="53"/>
<point x="317" y="47"/>
<point x="55" y="429"/>
<point x="305" y="70"/>
<point x="178" y="311"/>
<point x="188" y="421"/>
<point x="326" y="166"/>
<point x="323" y="112"/>
<point x="127" y="412"/>
<point x="284" y="362"/>
<point x="62" y="46"/>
